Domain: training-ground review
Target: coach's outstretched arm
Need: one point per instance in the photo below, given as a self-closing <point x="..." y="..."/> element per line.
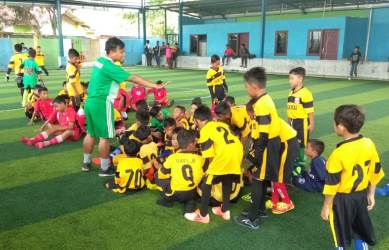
<point x="139" y="80"/>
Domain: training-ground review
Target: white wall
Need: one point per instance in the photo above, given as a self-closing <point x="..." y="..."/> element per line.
<point x="322" y="68"/>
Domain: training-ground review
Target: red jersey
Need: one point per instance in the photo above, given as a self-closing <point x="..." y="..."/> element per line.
<point x="159" y="94"/>
<point x="44" y="108"/>
<point x="64" y="118"/>
<point x="229" y="52"/>
<point x="138" y="94"/>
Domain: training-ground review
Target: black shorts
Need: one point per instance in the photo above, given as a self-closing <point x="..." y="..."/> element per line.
<point x="216" y="179"/>
<point x="349" y="219"/>
<point x="217" y="92"/>
<point x="19" y="81"/>
<point x="270" y="167"/>
<point x="289" y="153"/>
<point x="301" y="127"/>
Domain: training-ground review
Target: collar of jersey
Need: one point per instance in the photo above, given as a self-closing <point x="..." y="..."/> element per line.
<point x="298" y="90"/>
<point x="349" y="140"/>
<point x="259" y="97"/>
<point x="106" y="57"/>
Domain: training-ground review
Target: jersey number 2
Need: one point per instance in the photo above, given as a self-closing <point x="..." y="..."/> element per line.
<point x="225" y="135"/>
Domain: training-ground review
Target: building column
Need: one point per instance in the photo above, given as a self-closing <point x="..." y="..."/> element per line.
<point x="144" y="22"/>
<point x="263" y="28"/>
<point x="61" y="57"/>
<point x="180" y="38"/>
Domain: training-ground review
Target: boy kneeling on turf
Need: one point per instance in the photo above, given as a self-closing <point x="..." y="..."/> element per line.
<point x="62" y="124"/>
<point x="129" y="172"/>
<point x="184" y="170"/>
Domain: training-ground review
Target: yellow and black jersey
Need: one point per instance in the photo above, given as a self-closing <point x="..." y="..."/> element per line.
<point x="215" y="77"/>
<point x="73" y="80"/>
<point x="40" y="59"/>
<point x="217" y="191"/>
<point x="300" y="103"/>
<point x="191" y="122"/>
<point x="352" y="166"/>
<point x="286" y="131"/>
<point x="183" y="123"/>
<point x="148" y="153"/>
<point x="129" y="175"/>
<point x="241" y="120"/>
<point x="184" y="169"/>
<point x="169" y="144"/>
<point x="134" y="127"/>
<point x="223" y="147"/>
<point x="16" y="61"/>
<point x="266" y="118"/>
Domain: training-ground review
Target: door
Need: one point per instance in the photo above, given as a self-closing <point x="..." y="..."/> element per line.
<point x="202" y="48"/>
<point x="330" y="44"/>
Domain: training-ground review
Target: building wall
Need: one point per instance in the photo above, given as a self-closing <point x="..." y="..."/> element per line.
<point x="356" y="34"/>
<point x="379" y="38"/>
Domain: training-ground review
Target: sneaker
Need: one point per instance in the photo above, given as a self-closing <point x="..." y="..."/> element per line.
<point x="218" y="211"/>
<point x="86" y="167"/>
<point x="39" y="145"/>
<point x="247" y="197"/>
<point x="283" y="207"/>
<point x="196" y="217"/>
<point x="25" y="140"/>
<point x="261" y="214"/>
<point x="106" y="173"/>
<point x="246" y="222"/>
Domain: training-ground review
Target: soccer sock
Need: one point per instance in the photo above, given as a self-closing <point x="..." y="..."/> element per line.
<point x="87" y="158"/>
<point x="360" y="245"/>
<point x="281" y="189"/>
<point x="40" y="137"/>
<point x="275" y="195"/>
<point x="56" y="140"/>
<point x="301" y="155"/>
<point x="104" y="163"/>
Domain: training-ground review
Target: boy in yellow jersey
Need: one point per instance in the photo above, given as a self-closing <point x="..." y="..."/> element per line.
<point x="266" y="145"/>
<point x="169" y="126"/>
<point x="40" y="60"/>
<point x="239" y="119"/>
<point x="224" y="152"/>
<point x="148" y="152"/>
<point x="179" y="116"/>
<point x="73" y="85"/>
<point x="14" y="64"/>
<point x="216" y="80"/>
<point x="354" y="170"/>
<point x="300" y="109"/>
<point x="129" y="173"/>
<point x="184" y="171"/>
<point x="196" y="102"/>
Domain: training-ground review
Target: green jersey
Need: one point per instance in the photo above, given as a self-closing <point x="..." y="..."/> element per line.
<point x="31" y="71"/>
<point x="155" y="123"/>
<point x="105" y="79"/>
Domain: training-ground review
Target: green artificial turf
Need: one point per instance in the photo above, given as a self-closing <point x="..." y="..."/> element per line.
<point x="47" y="203"/>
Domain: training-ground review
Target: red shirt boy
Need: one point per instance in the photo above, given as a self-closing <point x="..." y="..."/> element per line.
<point x="44" y="108"/>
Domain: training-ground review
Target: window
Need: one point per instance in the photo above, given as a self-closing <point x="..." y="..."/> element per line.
<point x="281" y="43"/>
<point x="235" y="40"/>
<point x="314" y="42"/>
<point x="198" y="45"/>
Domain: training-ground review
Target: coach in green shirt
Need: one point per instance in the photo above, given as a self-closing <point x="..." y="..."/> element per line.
<point x="103" y="89"/>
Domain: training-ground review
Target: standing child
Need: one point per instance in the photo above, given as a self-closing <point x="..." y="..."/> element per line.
<point x="73" y="80"/>
<point x="43" y="106"/>
<point x="61" y="125"/>
<point x="300" y="109"/>
<point x="216" y="80"/>
<point x="160" y="94"/>
<point x="32" y="73"/>
<point x="354" y="170"/>
<point x="14" y="64"/>
<point x="179" y="116"/>
<point x="224" y="152"/>
<point x="312" y="181"/>
<point x="266" y="145"/>
<point x="40" y="60"/>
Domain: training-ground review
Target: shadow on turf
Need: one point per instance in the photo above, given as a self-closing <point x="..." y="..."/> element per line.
<point x="40" y="201"/>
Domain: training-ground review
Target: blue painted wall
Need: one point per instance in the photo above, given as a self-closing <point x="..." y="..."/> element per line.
<point x="217" y="34"/>
<point x="356" y="34"/>
<point x="6" y="52"/>
<point x="379" y="38"/>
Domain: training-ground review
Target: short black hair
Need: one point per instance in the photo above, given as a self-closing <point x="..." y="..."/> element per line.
<point x="142" y="133"/>
<point x="60" y="99"/>
<point x="66" y="97"/>
<point x="169" y="122"/>
<point x="31" y="52"/>
<point x="197" y="101"/>
<point x="73" y="53"/>
<point x="131" y="147"/>
<point x="257" y="76"/>
<point x="300" y="71"/>
<point x="230" y="100"/>
<point x="350" y="116"/>
<point x="159" y="82"/>
<point x="18" y="47"/>
<point x="223" y="109"/>
<point x="185" y="138"/>
<point x="317" y="145"/>
<point x="42" y="89"/>
<point x="155" y="110"/>
<point x="215" y="58"/>
<point x="182" y="108"/>
<point x="203" y="113"/>
<point x="112" y="44"/>
<point x="142" y="106"/>
<point x="143" y="117"/>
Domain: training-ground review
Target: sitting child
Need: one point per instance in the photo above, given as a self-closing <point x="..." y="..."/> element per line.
<point x="142" y="118"/>
<point x="61" y="125"/>
<point x="179" y="116"/>
<point x="196" y="103"/>
<point x="184" y="171"/>
<point x="64" y="90"/>
<point x="158" y="115"/>
<point x="160" y="94"/>
<point x="312" y="181"/>
<point x="32" y="97"/>
<point x="129" y="172"/>
<point x="142" y="106"/>
<point x="122" y="103"/>
<point x="148" y="151"/>
<point x="138" y="93"/>
<point x="43" y="106"/>
<point x="169" y="126"/>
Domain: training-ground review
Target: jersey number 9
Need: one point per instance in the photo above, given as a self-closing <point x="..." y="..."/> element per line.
<point x="187" y="173"/>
